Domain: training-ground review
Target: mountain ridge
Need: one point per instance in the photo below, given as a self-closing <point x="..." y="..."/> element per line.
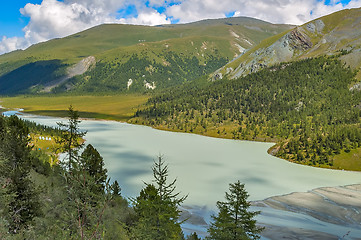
<point x="337" y="33"/>
<point x="117" y="42"/>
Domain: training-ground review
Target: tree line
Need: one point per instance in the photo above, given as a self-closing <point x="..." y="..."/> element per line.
<point x="171" y="69"/>
<point x="307" y="107"/>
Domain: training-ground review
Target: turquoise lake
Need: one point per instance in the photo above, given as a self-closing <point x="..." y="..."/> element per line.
<point x="203" y="166"/>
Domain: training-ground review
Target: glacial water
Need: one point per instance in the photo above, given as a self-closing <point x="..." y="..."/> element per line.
<point x="203" y="166"/>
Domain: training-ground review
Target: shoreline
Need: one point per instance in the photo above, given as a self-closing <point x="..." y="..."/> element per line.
<point x="297" y="215"/>
<point x="197" y="213"/>
<point x="20" y="110"/>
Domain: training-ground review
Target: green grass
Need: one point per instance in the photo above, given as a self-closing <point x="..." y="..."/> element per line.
<point x="113" y="44"/>
<point x="117" y="107"/>
<point x="348" y="161"/>
<point x="112" y="36"/>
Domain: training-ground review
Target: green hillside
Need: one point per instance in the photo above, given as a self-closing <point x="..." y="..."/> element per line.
<point x="330" y="35"/>
<point x="206" y="45"/>
<point x="306" y="107"/>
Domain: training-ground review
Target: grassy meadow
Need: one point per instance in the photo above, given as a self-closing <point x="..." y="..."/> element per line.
<point x="112" y="107"/>
<point x="348" y="160"/>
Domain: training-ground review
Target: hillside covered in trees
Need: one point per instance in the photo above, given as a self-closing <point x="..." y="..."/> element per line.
<point x="118" y="57"/>
<point x="308" y="107"/>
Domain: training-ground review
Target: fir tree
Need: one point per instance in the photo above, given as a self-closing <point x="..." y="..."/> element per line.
<point x="93" y="164"/>
<point x="115" y="188"/>
<point x="86" y="181"/>
<point x="157" y="207"/>
<point x="20" y="197"/>
<point x="71" y="136"/>
<point x="234" y="221"/>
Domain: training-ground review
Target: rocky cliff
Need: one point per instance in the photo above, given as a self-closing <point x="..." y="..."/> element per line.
<point x="335" y="34"/>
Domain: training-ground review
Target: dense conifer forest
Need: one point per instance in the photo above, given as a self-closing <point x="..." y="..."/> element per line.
<point x="308" y="107"/>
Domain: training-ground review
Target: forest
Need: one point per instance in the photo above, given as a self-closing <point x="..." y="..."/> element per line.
<point x="308" y="108"/>
<point x="75" y="199"/>
<point x="113" y="76"/>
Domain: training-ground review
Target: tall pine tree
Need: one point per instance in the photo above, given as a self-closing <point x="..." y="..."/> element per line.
<point x="86" y="177"/>
<point x="93" y="164"/>
<point x="157" y="207"/>
<point x="234" y="221"/>
<point x="20" y="196"/>
<point x="70" y="139"/>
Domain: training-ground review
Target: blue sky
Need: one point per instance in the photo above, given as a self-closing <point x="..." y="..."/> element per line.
<point x="22" y="25"/>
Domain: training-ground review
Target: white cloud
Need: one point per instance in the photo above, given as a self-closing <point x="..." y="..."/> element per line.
<point x="12" y="44"/>
<point x="275" y="11"/>
<point x="151" y="18"/>
<point x="55" y="18"/>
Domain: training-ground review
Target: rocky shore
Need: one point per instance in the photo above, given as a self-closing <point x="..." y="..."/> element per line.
<point x="322" y="213"/>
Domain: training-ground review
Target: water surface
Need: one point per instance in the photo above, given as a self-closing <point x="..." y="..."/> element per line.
<point x="203" y="166"/>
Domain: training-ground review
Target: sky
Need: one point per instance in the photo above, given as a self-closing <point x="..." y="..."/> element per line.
<point x="26" y="22"/>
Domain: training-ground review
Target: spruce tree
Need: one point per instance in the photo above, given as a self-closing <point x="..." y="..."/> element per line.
<point x="85" y="176"/>
<point x="157" y="207"/>
<point x="19" y="195"/>
<point x="115" y="189"/>
<point x="93" y="164"/>
<point x="70" y="139"/>
<point x="234" y="221"/>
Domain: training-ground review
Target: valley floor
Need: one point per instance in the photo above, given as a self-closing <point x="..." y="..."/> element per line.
<point x="123" y="107"/>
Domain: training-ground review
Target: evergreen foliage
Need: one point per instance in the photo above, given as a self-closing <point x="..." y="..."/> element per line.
<point x="306" y="106"/>
<point x="157" y="207"/>
<point x="39" y="201"/>
<point x="234" y="221"/>
<point x="93" y="164"/>
<point x="71" y="136"/>
<point x="115" y="188"/>
<point x="193" y="236"/>
<point x="19" y="198"/>
<point x="175" y="70"/>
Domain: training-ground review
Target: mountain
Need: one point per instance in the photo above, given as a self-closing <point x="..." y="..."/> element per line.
<point x="116" y="57"/>
<point x="336" y="34"/>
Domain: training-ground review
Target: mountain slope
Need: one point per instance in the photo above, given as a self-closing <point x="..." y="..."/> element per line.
<point x="338" y="33"/>
<point x="112" y="46"/>
<point x="305" y="106"/>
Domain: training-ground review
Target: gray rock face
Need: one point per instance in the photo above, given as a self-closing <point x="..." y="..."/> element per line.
<point x="311" y="27"/>
<point x="309" y="40"/>
<point x="319" y="25"/>
<point x="75" y="70"/>
<point x="281" y="51"/>
<point x="299" y="40"/>
<point x="81" y="67"/>
<point x="328" y="213"/>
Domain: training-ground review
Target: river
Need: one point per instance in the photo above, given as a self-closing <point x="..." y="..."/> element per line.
<point x="203" y="166"/>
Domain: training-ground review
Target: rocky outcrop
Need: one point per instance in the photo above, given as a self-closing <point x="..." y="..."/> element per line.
<point x="283" y="50"/>
<point x="75" y="70"/>
<point x="336" y="34"/>
<point x="81" y="67"/>
<point x="299" y="40"/>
